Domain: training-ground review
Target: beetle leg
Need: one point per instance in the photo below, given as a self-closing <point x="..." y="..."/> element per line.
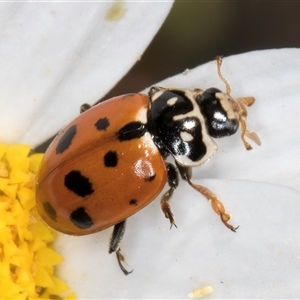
<point x="114" y="244"/>
<point x="84" y="107"/>
<point x="218" y="207"/>
<point x="173" y="183"/>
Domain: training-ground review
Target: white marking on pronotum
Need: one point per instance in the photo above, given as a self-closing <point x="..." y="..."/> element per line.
<point x="211" y="146"/>
<point x="228" y="104"/>
<point x="185" y="136"/>
<point x="172" y="101"/>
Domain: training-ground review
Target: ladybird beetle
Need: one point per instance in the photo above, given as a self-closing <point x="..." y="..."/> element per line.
<point x="124" y="142"/>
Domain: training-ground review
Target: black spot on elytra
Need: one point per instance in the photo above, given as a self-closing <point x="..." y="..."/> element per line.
<point x="150" y="178"/>
<point x="50" y="211"/>
<point x="102" y="124"/>
<point x="133" y="130"/>
<point x="66" y="139"/>
<point x="110" y="159"/>
<point x="133" y="202"/>
<point x="81" y="219"/>
<point x="78" y="184"/>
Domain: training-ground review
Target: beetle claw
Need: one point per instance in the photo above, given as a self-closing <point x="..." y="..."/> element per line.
<point x="121" y="260"/>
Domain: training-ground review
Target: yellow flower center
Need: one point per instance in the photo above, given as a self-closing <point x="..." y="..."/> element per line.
<point x="27" y="259"/>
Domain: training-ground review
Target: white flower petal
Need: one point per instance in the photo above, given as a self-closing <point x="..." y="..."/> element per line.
<point x="260" y="260"/>
<point x="56" y="56"/>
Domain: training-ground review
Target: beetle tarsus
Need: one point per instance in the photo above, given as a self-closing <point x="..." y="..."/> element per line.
<point x="121" y="260"/>
<point x="166" y="208"/>
<point x="225" y="218"/>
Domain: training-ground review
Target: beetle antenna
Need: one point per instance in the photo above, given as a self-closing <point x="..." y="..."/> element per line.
<point x="219" y="63"/>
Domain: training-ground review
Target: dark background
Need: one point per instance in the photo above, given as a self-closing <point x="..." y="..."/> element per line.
<point x="196" y="32"/>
